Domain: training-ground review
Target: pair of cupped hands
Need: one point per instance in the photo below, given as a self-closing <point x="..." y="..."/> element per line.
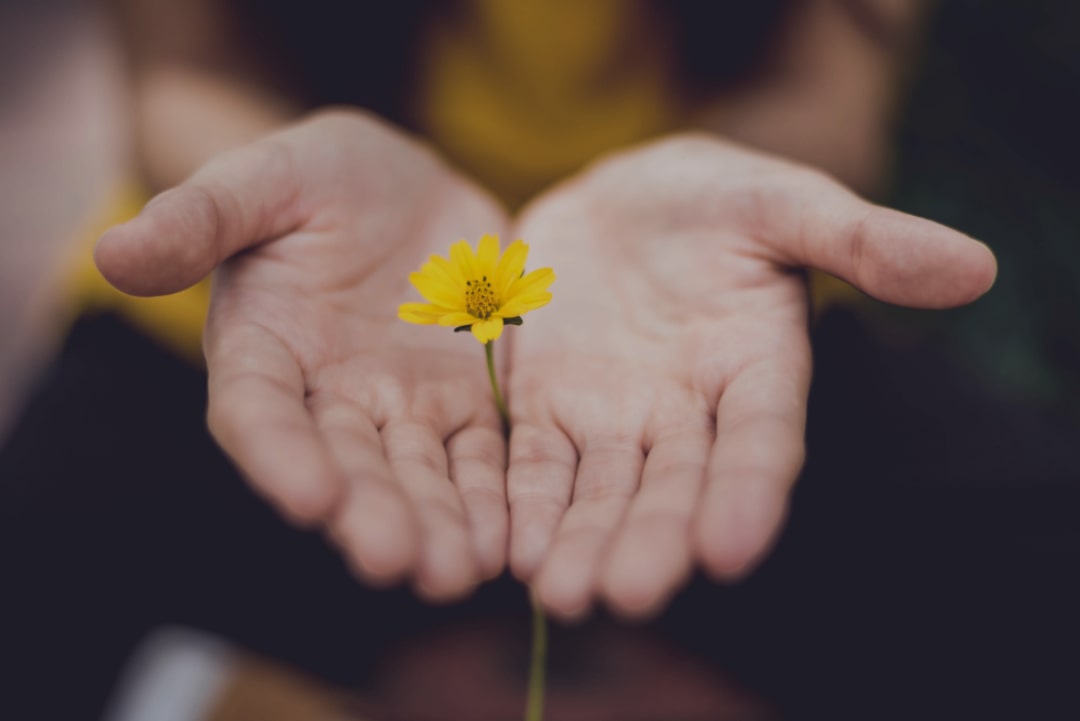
<point x="658" y="403"/>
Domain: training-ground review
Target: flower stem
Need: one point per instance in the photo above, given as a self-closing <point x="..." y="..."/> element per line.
<point x="499" y="402"/>
<point x="534" y="703"/>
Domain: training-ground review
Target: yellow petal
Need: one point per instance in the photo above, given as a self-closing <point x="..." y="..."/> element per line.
<point x="534" y="282"/>
<point x="438" y="291"/>
<point x="487" y="255"/>
<point x="487" y="330"/>
<point x="457" y="318"/>
<point x="510" y="266"/>
<point x="452" y="270"/>
<point x="442" y="270"/>
<point x="419" y="313"/>
<point x="522" y="304"/>
<point x="461" y="255"/>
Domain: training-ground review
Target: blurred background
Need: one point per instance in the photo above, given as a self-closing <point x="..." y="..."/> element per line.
<point x="64" y="145"/>
<point x="930" y="564"/>
<point x="985" y="143"/>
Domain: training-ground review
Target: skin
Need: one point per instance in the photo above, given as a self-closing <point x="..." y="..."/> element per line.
<point x="658" y="403"/>
<point x="341" y="415"/>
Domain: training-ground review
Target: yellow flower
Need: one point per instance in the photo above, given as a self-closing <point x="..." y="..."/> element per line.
<point x="480" y="291"/>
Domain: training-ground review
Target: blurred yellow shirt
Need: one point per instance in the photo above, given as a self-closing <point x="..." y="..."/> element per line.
<point x="517" y="94"/>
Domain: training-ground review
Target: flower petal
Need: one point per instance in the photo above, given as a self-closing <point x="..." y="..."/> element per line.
<point x="438" y="291"/>
<point x="487" y="330"/>
<point x="462" y="256"/>
<point x="534" y="282"/>
<point x="510" y="266"/>
<point x="442" y="269"/>
<point x="419" y="313"/>
<point x="522" y="304"/>
<point x="457" y="318"/>
<point x="487" y="255"/>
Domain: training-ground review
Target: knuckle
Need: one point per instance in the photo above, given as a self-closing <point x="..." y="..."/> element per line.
<point x="536" y="504"/>
<point x="478" y="450"/>
<point x="201" y="221"/>
<point x="536" y="449"/>
<point x="443" y="510"/>
<point x="680" y="470"/>
<point x="484" y="496"/>
<point x="310" y="503"/>
<point x="782" y="463"/>
<point x="858" y="242"/>
<point x="671" y="520"/>
<point x="600" y="493"/>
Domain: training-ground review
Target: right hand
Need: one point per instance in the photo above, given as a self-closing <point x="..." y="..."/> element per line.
<point x="335" y="410"/>
<point x="659" y="404"/>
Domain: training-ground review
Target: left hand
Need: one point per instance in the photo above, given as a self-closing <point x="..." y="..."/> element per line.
<point x="658" y="405"/>
<point x="344" y="417"/>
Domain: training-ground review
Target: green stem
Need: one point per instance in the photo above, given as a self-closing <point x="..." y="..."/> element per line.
<point x="499" y="402"/>
<point x="534" y="703"/>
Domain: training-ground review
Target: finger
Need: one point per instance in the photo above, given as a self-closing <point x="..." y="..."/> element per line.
<point x="651" y="556"/>
<point x="447" y="568"/>
<point x="478" y="468"/>
<point x="238" y="200"/>
<point x="895" y="257"/>
<point x="759" y="450"/>
<point x="607" y="477"/>
<point x="257" y="414"/>
<point x="539" y="483"/>
<point x="374" y="525"/>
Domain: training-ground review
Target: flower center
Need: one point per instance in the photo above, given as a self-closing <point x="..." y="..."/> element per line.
<point x="480" y="298"/>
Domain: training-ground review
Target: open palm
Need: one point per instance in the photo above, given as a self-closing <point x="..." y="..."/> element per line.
<point x="333" y="408"/>
<point x="658" y="405"/>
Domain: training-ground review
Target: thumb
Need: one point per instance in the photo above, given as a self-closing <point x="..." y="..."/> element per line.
<point x="236" y="201"/>
<point x="892" y="256"/>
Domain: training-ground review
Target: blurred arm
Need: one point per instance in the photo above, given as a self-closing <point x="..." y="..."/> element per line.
<point x="199" y="87"/>
<point x="830" y="90"/>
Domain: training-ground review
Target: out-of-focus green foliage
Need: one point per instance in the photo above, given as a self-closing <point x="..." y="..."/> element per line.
<point x="989" y="144"/>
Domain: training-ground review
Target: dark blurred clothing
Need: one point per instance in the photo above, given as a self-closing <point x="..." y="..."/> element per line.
<point x="917" y="572"/>
<point x="329" y="52"/>
<point x="929" y="564"/>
